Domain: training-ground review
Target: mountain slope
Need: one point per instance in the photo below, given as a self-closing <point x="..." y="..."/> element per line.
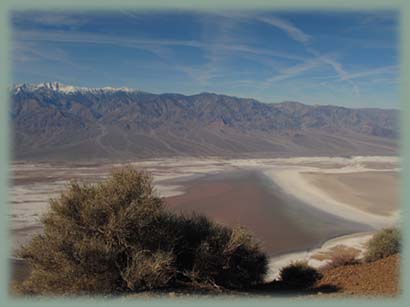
<point x="53" y="121"/>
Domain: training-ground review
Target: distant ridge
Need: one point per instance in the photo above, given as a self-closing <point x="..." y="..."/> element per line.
<point x="53" y="121"/>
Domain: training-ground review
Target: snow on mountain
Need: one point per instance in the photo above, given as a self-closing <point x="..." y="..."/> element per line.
<point x="66" y="89"/>
<point x="56" y="121"/>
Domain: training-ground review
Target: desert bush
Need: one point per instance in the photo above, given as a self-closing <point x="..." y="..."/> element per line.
<point x="230" y="258"/>
<point x="342" y="257"/>
<point x="117" y="236"/>
<point x="299" y="275"/>
<point x="384" y="243"/>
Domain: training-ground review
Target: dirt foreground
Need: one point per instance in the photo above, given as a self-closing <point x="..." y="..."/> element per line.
<point x="378" y="278"/>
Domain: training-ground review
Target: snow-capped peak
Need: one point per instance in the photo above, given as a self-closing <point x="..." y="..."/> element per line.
<point x="67" y="89"/>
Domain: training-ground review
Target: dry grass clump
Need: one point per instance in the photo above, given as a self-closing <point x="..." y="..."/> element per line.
<point x="299" y="275"/>
<point x="385" y="243"/>
<point x="342" y="257"/>
<point x="116" y="236"/>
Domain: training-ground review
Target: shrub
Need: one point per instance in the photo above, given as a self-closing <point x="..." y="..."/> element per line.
<point x="342" y="257"/>
<point x="117" y="236"/>
<point x="384" y="243"/>
<point x="299" y="275"/>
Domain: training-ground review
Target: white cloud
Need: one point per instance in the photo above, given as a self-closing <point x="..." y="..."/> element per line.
<point x="343" y="74"/>
<point x="296" y="70"/>
<point x="300" y="36"/>
<point x="375" y="71"/>
<point x="294" y="32"/>
<point x="54" y="19"/>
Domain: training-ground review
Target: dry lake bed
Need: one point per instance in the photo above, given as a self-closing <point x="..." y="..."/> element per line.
<point x="296" y="207"/>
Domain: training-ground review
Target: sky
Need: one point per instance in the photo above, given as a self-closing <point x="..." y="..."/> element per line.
<point x="347" y="58"/>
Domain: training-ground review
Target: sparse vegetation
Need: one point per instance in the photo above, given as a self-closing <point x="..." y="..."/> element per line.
<point x="299" y="275"/>
<point x="117" y="236"/>
<point x="343" y="257"/>
<point x="385" y="243"/>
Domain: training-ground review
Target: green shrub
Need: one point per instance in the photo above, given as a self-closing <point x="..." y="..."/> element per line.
<point x="384" y="243"/>
<point x="299" y="275"/>
<point x="117" y="236"/>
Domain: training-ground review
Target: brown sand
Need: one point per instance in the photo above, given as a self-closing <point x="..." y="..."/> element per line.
<point x="246" y="199"/>
<point x="374" y="192"/>
<point x="379" y="278"/>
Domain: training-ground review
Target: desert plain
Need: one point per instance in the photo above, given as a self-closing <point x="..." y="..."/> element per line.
<point x="297" y="208"/>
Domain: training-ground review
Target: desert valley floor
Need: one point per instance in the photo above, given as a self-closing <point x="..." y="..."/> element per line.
<point x="298" y="208"/>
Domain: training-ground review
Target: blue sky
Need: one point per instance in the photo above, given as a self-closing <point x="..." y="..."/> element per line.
<point x="344" y="58"/>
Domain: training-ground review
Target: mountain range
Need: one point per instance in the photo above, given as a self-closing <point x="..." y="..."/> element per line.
<point x="52" y="121"/>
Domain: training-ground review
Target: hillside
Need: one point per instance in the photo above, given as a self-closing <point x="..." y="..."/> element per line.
<point x="52" y="121"/>
<point x="381" y="277"/>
